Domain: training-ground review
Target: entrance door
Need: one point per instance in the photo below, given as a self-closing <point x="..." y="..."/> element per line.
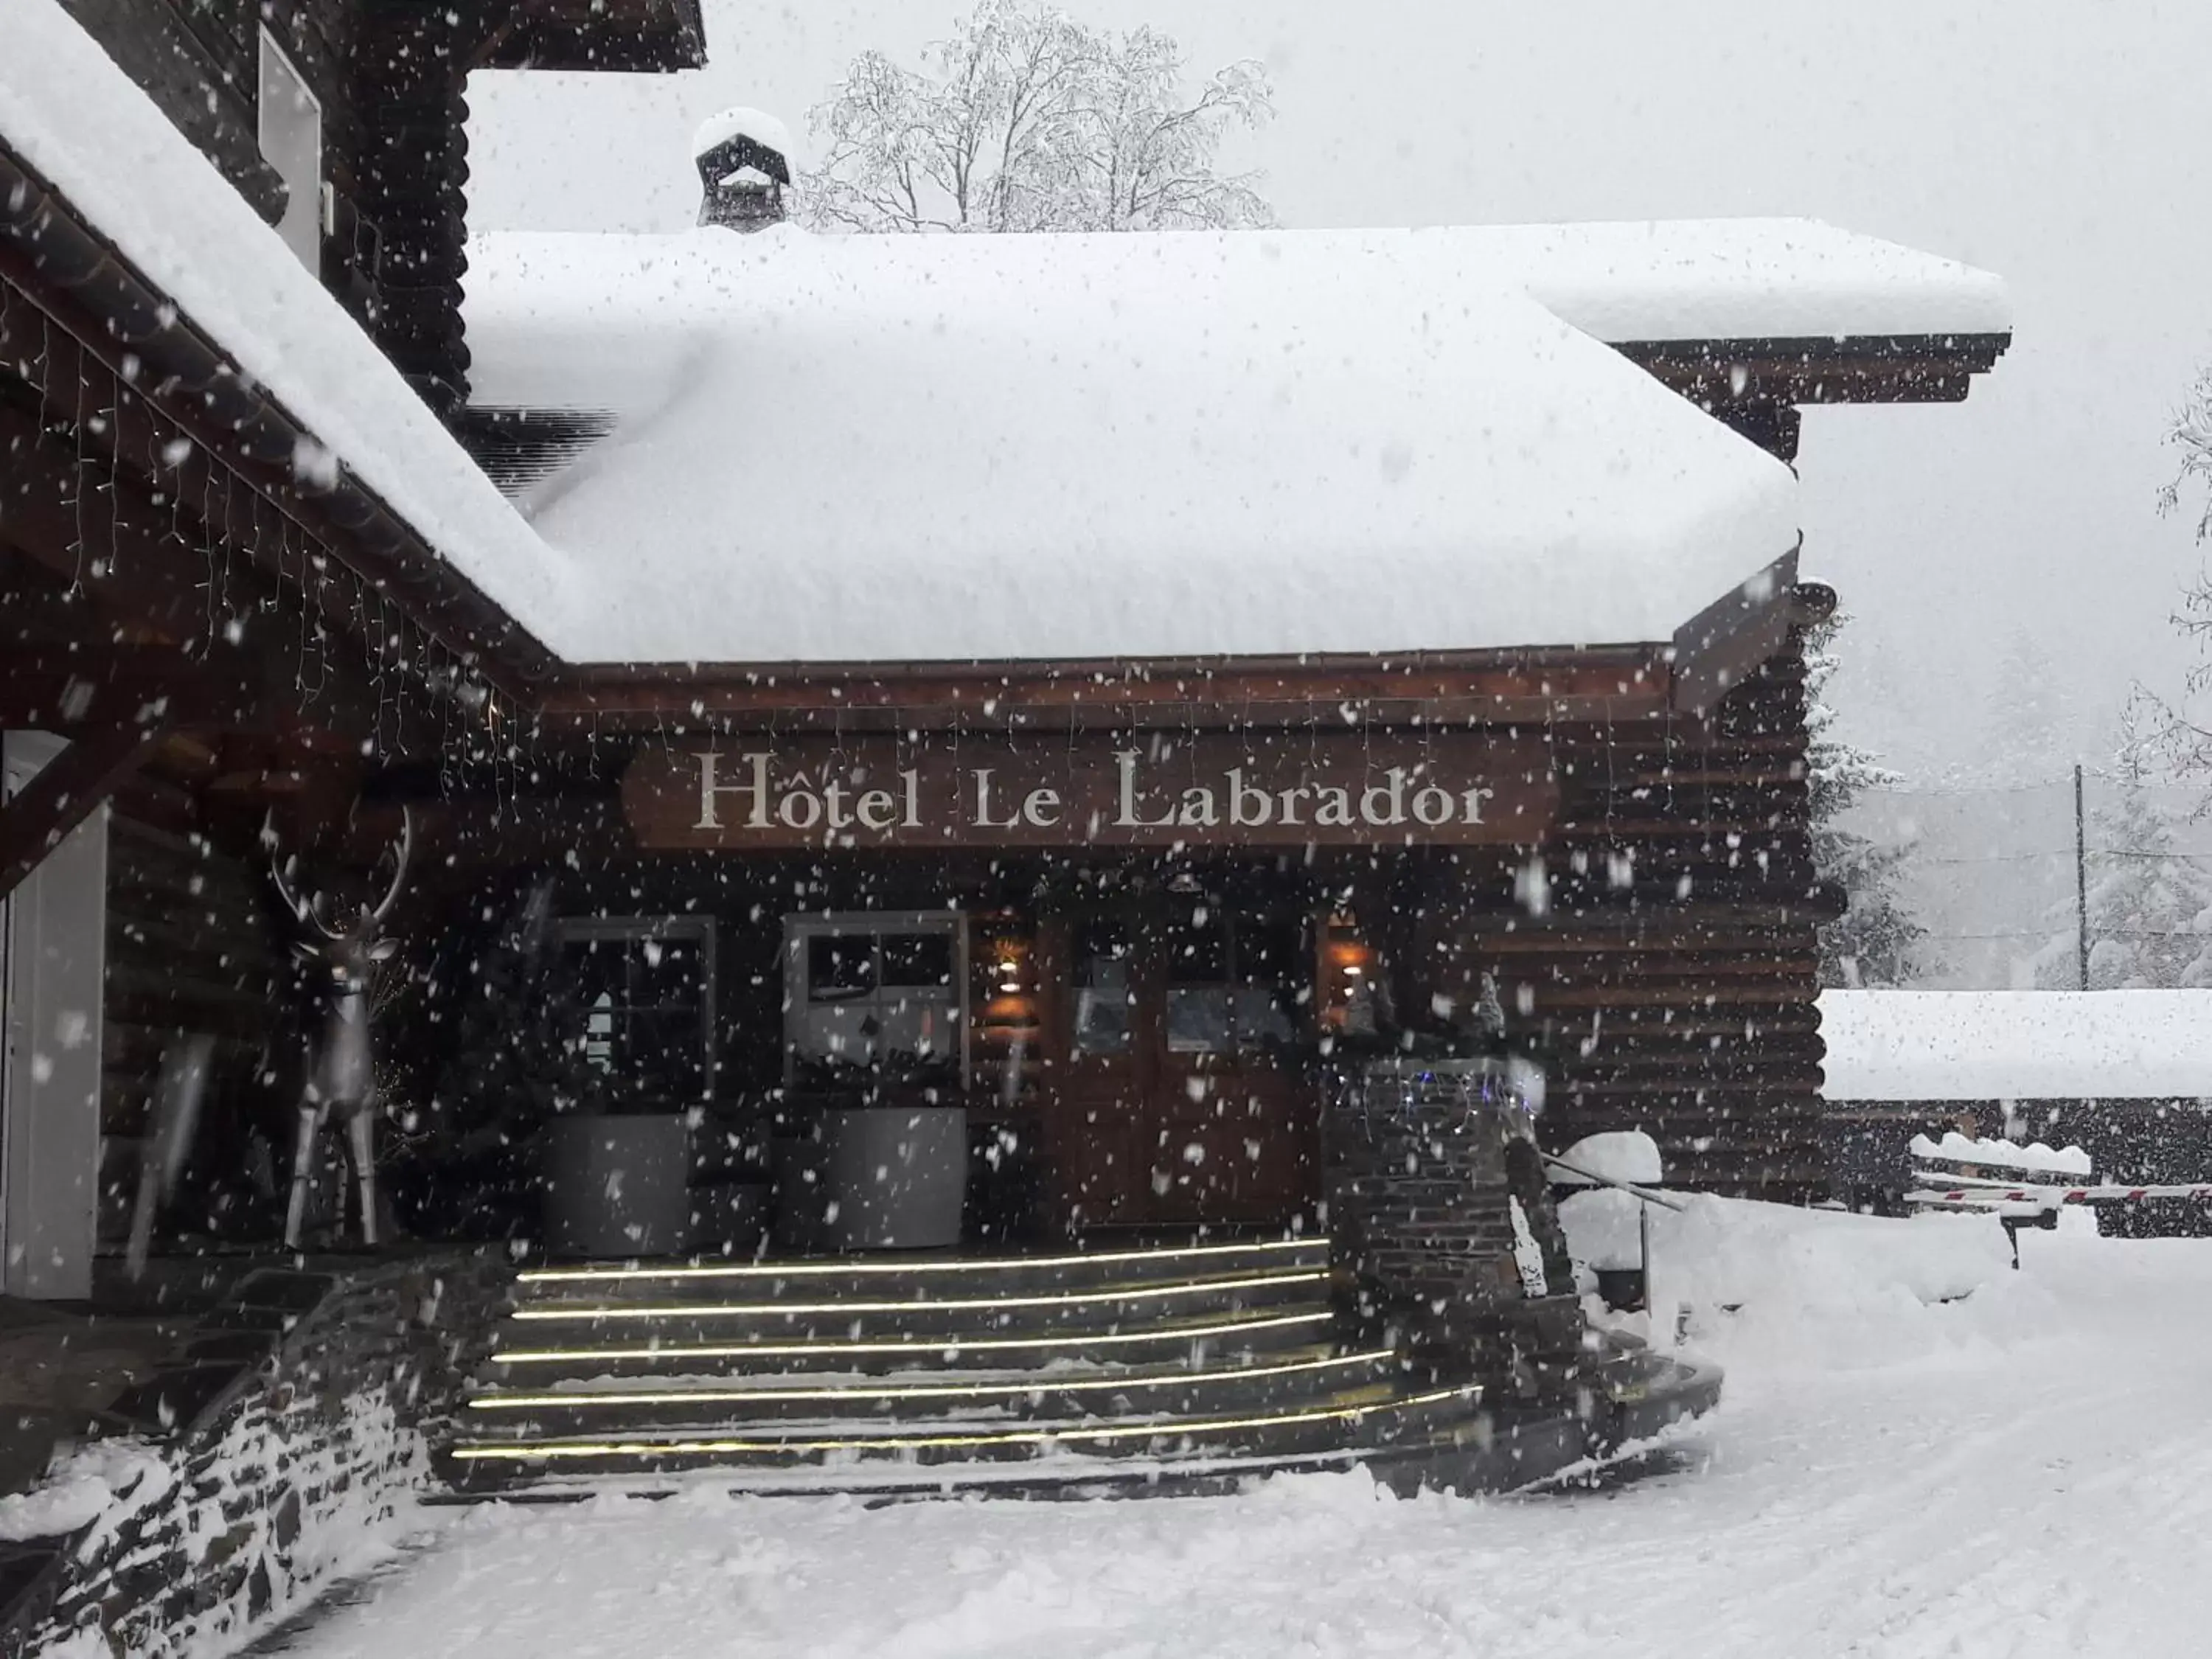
<point x="52" y="973"/>
<point x="1183" y="1098"/>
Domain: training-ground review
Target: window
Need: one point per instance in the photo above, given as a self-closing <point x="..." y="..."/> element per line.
<point x="876" y="999"/>
<point x="291" y="138"/>
<point x="644" y="989"/>
<point x="1103" y="993"/>
<point x="1231" y="981"/>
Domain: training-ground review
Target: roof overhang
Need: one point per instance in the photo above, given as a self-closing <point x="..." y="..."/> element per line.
<point x="648" y="36"/>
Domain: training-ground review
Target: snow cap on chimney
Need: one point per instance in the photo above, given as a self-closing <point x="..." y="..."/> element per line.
<point x="743" y="161"/>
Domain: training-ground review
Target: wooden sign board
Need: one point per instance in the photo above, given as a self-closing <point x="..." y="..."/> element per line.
<point x="1161" y="790"/>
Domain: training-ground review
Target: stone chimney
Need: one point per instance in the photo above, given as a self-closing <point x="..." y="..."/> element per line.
<point x="744" y="167"/>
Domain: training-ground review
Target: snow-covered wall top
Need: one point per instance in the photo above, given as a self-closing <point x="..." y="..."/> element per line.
<point x="2017" y="1045"/>
<point x="78" y="121"/>
<point x="841" y="448"/>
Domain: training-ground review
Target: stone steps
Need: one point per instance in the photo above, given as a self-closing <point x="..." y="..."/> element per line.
<point x="543" y="1353"/>
<point x="1184" y="1370"/>
<point x="940" y="1274"/>
<point x="1243" y="1384"/>
<point x="1362" y="1418"/>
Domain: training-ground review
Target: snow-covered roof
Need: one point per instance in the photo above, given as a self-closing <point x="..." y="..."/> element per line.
<point x="2017" y="1045"/>
<point x="75" y="119"/>
<point x="834" y="450"/>
<point x="837" y="448"/>
<point x="758" y="125"/>
<point x="1741" y="279"/>
<point x="1956" y="1148"/>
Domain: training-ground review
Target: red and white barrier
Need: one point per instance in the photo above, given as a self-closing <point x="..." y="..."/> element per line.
<point x="2008" y="1198"/>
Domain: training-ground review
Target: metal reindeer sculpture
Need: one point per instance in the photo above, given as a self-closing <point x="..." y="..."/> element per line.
<point x="341" y="1065"/>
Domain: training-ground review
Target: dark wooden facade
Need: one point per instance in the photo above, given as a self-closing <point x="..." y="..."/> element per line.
<point x="390" y="77"/>
<point x="247" y="659"/>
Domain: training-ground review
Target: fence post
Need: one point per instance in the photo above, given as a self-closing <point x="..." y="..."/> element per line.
<point x="2080" y="883"/>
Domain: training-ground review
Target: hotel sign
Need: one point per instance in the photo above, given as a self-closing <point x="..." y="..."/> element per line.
<point x="1272" y="789"/>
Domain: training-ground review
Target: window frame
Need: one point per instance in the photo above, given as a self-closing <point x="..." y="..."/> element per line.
<point x="800" y="931"/>
<point x="302" y="227"/>
<point x="597" y="930"/>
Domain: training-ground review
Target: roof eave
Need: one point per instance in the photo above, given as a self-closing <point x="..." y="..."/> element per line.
<point x="1844" y="369"/>
<point x="54" y="254"/>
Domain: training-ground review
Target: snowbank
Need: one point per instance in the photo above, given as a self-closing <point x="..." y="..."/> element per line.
<point x="1956" y="1148"/>
<point x="840" y="448"/>
<point x="2017" y="1045"/>
<point x="2036" y="1488"/>
<point x="1775" y="1280"/>
<point x="85" y="1486"/>
<point x="79" y="122"/>
<point x="1627" y="1155"/>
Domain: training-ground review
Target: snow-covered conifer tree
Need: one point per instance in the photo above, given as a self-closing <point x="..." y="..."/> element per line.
<point x="1877" y="941"/>
<point x="2021" y="741"/>
<point x="2149" y="905"/>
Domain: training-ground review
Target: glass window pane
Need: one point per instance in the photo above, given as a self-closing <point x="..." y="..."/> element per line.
<point x="1261" y="1019"/>
<point x="659" y="1054"/>
<point x="840" y="966"/>
<point x="1102" y="1014"/>
<point x="1198" y="1019"/>
<point x="1102" y="992"/>
<point x="917" y="959"/>
<point x="916" y="1030"/>
<point x="667" y="972"/>
<point x="837" y="1034"/>
<point x="1197" y="943"/>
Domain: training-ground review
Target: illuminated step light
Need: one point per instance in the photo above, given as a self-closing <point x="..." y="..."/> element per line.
<point x="920" y="1391"/>
<point x="1060" y="1341"/>
<point x="579" y="1450"/>
<point x="965" y="1265"/>
<point x="954" y="1304"/>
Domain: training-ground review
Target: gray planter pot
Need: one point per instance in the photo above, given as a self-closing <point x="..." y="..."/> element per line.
<point x="883" y="1177"/>
<point x="616" y="1186"/>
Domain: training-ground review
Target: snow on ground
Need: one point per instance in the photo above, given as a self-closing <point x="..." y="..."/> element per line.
<point x="2024" y="1471"/>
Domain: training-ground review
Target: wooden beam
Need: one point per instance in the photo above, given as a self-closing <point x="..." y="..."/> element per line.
<point x="1855" y="369"/>
<point x="65" y="792"/>
<point x="53" y="689"/>
<point x="1720" y="646"/>
<point x="1501" y="687"/>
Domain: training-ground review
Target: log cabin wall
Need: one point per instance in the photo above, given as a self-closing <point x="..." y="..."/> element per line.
<point x="387" y="75"/>
<point x="1668" y="983"/>
<point x="197" y="59"/>
<point x="193" y="944"/>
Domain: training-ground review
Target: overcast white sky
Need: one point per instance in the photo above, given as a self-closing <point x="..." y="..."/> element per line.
<point x="2059" y="143"/>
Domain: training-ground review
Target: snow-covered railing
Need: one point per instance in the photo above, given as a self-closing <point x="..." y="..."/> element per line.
<point x="2021" y="1185"/>
<point x="1627" y="1160"/>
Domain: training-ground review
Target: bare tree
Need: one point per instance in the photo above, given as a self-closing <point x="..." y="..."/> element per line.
<point x="2191" y="432"/>
<point x="1026" y="120"/>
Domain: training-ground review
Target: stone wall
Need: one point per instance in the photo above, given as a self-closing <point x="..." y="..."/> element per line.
<point x="1443" y="1224"/>
<point x="270" y="1475"/>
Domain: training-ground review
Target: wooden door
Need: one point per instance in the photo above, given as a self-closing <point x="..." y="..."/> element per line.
<point x="1180" y="1095"/>
<point x="1102" y="1060"/>
<point x="1231" y="1124"/>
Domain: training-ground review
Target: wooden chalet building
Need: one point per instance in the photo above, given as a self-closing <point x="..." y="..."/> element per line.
<point x="1088" y="687"/>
